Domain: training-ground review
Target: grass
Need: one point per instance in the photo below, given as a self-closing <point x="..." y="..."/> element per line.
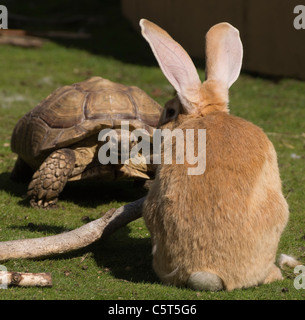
<point x="120" y="267"/>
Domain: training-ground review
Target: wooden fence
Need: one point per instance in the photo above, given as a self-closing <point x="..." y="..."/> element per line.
<point x="272" y="45"/>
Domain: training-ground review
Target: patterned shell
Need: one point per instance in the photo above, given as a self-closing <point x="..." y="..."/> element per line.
<point x="73" y="113"/>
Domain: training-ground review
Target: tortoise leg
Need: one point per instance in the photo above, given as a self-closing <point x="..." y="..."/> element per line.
<point x="22" y="172"/>
<point x="50" y="179"/>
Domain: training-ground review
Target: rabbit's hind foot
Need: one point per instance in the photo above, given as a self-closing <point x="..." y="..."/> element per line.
<point x="275" y="274"/>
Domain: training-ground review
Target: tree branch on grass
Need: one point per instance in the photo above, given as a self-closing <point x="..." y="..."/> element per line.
<point x="72" y="240"/>
<point x="22" y="279"/>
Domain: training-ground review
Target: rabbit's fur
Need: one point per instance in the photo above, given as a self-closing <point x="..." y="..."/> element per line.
<point x="218" y="230"/>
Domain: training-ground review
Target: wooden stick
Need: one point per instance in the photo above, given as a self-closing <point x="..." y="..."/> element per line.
<point x="72" y="240"/>
<point x="25" y="279"/>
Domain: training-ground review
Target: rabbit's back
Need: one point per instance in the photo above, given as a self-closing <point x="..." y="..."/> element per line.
<point x="227" y="221"/>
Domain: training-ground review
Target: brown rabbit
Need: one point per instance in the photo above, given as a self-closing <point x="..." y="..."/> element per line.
<point x="218" y="230"/>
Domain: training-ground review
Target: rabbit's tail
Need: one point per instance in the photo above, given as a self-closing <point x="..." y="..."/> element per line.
<point x="289" y="261"/>
<point x="205" y="281"/>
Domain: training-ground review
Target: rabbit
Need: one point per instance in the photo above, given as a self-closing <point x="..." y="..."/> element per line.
<point x="219" y="230"/>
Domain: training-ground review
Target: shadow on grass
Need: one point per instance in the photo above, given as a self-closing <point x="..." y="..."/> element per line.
<point x="11" y="187"/>
<point x="110" y="33"/>
<point x="46" y="229"/>
<point x="94" y="193"/>
<point x="126" y="258"/>
<point x="88" y="194"/>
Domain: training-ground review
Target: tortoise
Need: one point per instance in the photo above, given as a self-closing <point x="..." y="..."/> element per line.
<point x="58" y="139"/>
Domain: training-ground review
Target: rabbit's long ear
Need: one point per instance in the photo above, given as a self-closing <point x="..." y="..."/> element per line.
<point x="174" y="62"/>
<point x="224" y="54"/>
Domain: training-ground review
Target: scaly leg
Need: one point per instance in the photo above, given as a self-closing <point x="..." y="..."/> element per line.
<point x="50" y="179"/>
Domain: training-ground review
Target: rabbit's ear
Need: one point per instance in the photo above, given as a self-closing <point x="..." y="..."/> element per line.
<point x="224" y="52"/>
<point x="174" y="62"/>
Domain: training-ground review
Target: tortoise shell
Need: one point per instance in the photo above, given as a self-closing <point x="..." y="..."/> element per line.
<point x="73" y="113"/>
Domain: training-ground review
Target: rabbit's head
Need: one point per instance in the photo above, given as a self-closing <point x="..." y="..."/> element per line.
<point x="224" y="53"/>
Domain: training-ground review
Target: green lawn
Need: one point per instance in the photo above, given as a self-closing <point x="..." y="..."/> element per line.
<point x="120" y="266"/>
